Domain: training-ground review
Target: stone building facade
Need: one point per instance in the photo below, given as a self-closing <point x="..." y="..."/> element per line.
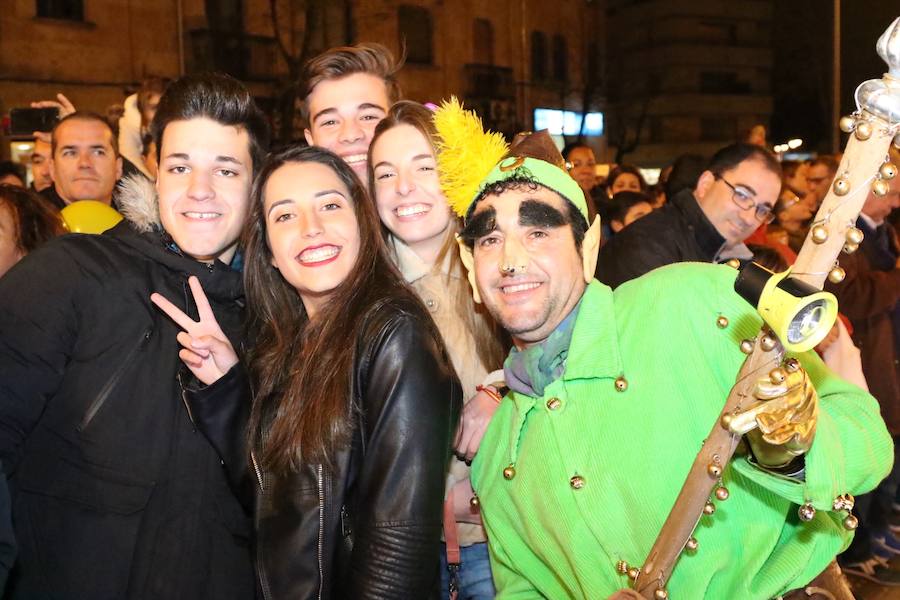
<point x="686" y="75"/>
<point x="504" y="57"/>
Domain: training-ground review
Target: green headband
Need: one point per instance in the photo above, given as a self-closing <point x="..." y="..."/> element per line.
<point x="542" y="172"/>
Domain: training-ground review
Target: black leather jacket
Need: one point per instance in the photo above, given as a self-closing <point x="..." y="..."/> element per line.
<point x="677" y="232"/>
<point x="370" y="526"/>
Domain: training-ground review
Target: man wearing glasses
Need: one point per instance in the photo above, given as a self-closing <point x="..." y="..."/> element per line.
<point x="733" y="197"/>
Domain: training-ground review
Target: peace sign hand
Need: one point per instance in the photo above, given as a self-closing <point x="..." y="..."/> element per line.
<point x="206" y="350"/>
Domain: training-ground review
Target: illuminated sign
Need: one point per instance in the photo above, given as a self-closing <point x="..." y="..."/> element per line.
<point x="567" y="122"/>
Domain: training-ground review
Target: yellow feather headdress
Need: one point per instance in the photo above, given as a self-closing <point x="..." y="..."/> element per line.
<point x="466" y="153"/>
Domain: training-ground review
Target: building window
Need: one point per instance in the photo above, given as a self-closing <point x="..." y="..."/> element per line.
<point x="715" y="129"/>
<point x="415" y="33"/>
<point x="538" y="56"/>
<point x="560" y="58"/>
<point x="69" y="10"/>
<point x="722" y="82"/>
<point x="483" y="35"/>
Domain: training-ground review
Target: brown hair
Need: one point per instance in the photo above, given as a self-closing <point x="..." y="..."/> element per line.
<point x="150" y="86"/>
<point x="829" y="161"/>
<point x="301" y="369"/>
<point x="623" y="169"/>
<point x="36" y="222"/>
<point x="83" y="115"/>
<point x="218" y="97"/>
<point x="335" y="63"/>
<point x="487" y="335"/>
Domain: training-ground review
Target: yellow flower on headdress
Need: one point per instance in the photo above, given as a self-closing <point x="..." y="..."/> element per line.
<point x="466" y="153"/>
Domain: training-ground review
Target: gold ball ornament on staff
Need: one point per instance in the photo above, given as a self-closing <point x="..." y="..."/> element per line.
<point x="836" y="275"/>
<point x="863" y="130"/>
<point x="854" y="235"/>
<point x="819" y="234"/>
<point x="850" y="248"/>
<point x="777" y="375"/>
<point x="880" y="187"/>
<point x="888" y="170"/>
<point x="841" y="186"/>
<point x="847" y="124"/>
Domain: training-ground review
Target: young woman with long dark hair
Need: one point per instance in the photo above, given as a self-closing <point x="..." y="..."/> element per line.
<point x="420" y="230"/>
<point x="354" y="400"/>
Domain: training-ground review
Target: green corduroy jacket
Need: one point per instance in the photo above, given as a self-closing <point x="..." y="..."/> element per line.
<point x="632" y="449"/>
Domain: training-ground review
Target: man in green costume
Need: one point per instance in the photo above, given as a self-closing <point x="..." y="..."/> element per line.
<point x="611" y="396"/>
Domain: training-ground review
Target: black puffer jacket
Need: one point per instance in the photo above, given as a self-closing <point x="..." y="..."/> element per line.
<point x="115" y="493"/>
<point x="369" y="527"/>
<point x="678" y="232"/>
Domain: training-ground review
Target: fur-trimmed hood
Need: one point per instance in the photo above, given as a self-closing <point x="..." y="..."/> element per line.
<point x="139" y="203"/>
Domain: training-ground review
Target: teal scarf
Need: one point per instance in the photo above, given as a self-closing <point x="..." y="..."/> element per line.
<point x="531" y="370"/>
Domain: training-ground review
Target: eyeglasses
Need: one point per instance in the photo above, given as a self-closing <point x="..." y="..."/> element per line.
<point x="743" y="198"/>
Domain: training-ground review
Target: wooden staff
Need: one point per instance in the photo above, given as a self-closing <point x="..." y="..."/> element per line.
<point x="864" y="167"/>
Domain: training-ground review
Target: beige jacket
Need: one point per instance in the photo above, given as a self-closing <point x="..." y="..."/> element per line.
<point x="439" y="296"/>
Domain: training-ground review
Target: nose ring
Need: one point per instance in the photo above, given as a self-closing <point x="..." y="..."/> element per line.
<point x="512" y="269"/>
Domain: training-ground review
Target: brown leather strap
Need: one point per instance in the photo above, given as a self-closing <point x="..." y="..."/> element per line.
<point x="451" y="539"/>
<point x="451" y="536"/>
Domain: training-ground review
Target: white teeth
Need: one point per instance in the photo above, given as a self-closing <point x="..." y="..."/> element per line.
<point x="354" y="158"/>
<point x="512" y="289"/>
<point x="415" y="209"/>
<point x="319" y="254"/>
<point x="202" y="215"/>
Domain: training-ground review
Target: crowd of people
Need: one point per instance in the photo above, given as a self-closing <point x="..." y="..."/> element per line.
<point x="406" y="358"/>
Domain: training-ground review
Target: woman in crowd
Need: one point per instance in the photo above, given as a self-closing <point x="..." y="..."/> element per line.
<point x="26" y="222"/>
<point x="793" y="216"/>
<point x="625" y="178"/>
<point x="354" y="399"/>
<point x="420" y="230"/>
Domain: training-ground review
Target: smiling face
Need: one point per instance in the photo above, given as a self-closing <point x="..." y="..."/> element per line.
<point x="528" y="271"/>
<point x="311" y="229"/>
<point x="408" y="192"/>
<point x="84" y="165"/>
<point x="204" y="185"/>
<point x="343" y="114"/>
<point x="750" y="178"/>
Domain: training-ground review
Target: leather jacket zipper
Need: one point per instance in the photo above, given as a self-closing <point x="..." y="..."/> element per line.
<point x="321" y="541"/>
<point x="110" y="385"/>
<point x="260" y="568"/>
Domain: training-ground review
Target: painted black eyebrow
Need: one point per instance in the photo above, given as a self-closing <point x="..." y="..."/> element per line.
<point x="479" y="225"/>
<point x="534" y="213"/>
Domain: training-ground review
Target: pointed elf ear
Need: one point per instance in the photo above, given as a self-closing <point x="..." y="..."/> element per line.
<point x="590" y="249"/>
<point x="468" y="261"/>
